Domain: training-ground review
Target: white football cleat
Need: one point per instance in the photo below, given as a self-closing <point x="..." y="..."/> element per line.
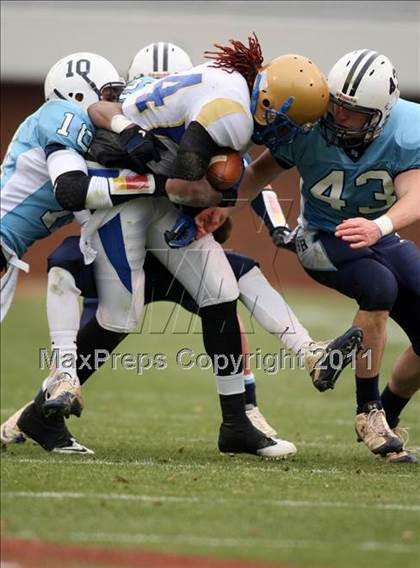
<point x="9" y="430"/>
<point x="72" y="446"/>
<point x="281" y="449"/>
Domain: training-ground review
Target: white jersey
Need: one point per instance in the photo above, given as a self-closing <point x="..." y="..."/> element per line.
<point x="216" y="99"/>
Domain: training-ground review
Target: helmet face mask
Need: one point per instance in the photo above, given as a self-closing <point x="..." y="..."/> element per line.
<point x="346" y="136"/>
<point x="289" y="96"/>
<point x="365" y="82"/>
<point x="158" y="60"/>
<point x="279" y="129"/>
<point x="83" y="78"/>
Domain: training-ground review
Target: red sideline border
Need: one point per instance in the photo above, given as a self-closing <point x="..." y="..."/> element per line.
<point x="37" y="554"/>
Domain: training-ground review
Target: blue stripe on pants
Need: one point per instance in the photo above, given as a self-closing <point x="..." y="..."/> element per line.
<point x="113" y="242"/>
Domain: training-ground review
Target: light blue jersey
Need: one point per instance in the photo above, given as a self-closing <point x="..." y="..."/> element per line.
<point x="29" y="210"/>
<point x="335" y="187"/>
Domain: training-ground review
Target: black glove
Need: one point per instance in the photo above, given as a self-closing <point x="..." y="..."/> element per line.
<point x="142" y="146"/>
<point x="283" y="237"/>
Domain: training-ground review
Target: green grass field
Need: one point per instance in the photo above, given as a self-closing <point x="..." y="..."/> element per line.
<point x="157" y="481"/>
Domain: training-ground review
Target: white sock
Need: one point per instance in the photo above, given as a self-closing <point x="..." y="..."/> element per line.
<point x="230" y="384"/>
<point x="63" y="318"/>
<point x="271" y="310"/>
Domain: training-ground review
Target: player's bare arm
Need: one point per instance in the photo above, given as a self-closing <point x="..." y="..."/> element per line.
<point x="102" y="113"/>
<point x="361" y="232"/>
<point x="258" y="175"/>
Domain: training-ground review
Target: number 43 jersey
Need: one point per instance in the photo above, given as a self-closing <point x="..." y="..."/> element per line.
<point x="336" y="185"/>
<point x="29" y="210"/>
<point x="218" y="100"/>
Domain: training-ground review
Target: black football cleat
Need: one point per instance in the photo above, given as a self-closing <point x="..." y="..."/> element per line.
<point x="244" y="438"/>
<point x="50" y="432"/>
<point x="325" y="361"/>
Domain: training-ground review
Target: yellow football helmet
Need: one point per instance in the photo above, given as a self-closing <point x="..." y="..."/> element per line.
<point x="290" y="94"/>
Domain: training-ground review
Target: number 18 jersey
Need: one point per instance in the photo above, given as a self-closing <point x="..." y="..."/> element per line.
<point x="29" y="210"/>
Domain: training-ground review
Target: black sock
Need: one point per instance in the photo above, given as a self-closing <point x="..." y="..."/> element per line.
<point x="393" y="406"/>
<point x="250" y="393"/>
<point x="233" y="408"/>
<point x="90" y="339"/>
<point x="367" y="390"/>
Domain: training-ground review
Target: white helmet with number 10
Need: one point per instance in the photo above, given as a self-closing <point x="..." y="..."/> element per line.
<point x="83" y="78"/>
<point x="366" y="82"/>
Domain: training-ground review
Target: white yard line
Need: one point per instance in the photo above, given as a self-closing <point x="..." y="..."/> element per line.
<point x="172" y="499"/>
<point x="172" y="465"/>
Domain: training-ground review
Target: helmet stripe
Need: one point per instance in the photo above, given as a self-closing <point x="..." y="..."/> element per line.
<point x="362" y="72"/>
<point x="165" y="57"/>
<point x="59" y="95"/>
<point x="155" y="57"/>
<point x="353" y="70"/>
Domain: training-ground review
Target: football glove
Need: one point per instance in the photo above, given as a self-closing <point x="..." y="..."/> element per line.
<point x="182" y="233"/>
<point x="142" y="147"/>
<point x="283" y="237"/>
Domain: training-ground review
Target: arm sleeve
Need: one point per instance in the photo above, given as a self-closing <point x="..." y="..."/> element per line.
<point x="266" y="205"/>
<point x="75" y="191"/>
<point x="194" y="153"/>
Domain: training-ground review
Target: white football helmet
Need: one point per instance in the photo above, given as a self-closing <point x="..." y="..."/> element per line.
<point x="83" y="78"/>
<point x="158" y="60"/>
<point x="364" y="81"/>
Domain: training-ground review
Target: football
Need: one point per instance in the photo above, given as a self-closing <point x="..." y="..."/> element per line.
<point x="225" y="169"/>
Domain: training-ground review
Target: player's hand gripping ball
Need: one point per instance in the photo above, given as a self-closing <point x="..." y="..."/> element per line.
<point x="225" y="169"/>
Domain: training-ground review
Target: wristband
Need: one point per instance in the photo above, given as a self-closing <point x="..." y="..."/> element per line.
<point x="385" y="225"/>
<point x="119" y="123"/>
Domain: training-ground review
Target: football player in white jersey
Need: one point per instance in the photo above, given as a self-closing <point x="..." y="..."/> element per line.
<point x="222" y="104"/>
<point x="360" y="171"/>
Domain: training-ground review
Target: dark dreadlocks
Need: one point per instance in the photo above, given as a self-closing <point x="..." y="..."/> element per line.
<point x="246" y="60"/>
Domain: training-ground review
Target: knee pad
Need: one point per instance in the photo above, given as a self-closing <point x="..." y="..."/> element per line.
<point x="69" y="258"/>
<point x="379" y="292"/>
<point x="119" y="310"/>
<point x="60" y="280"/>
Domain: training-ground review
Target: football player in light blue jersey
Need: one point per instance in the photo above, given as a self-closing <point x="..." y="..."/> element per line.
<point x="48" y="144"/>
<point x="360" y="183"/>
